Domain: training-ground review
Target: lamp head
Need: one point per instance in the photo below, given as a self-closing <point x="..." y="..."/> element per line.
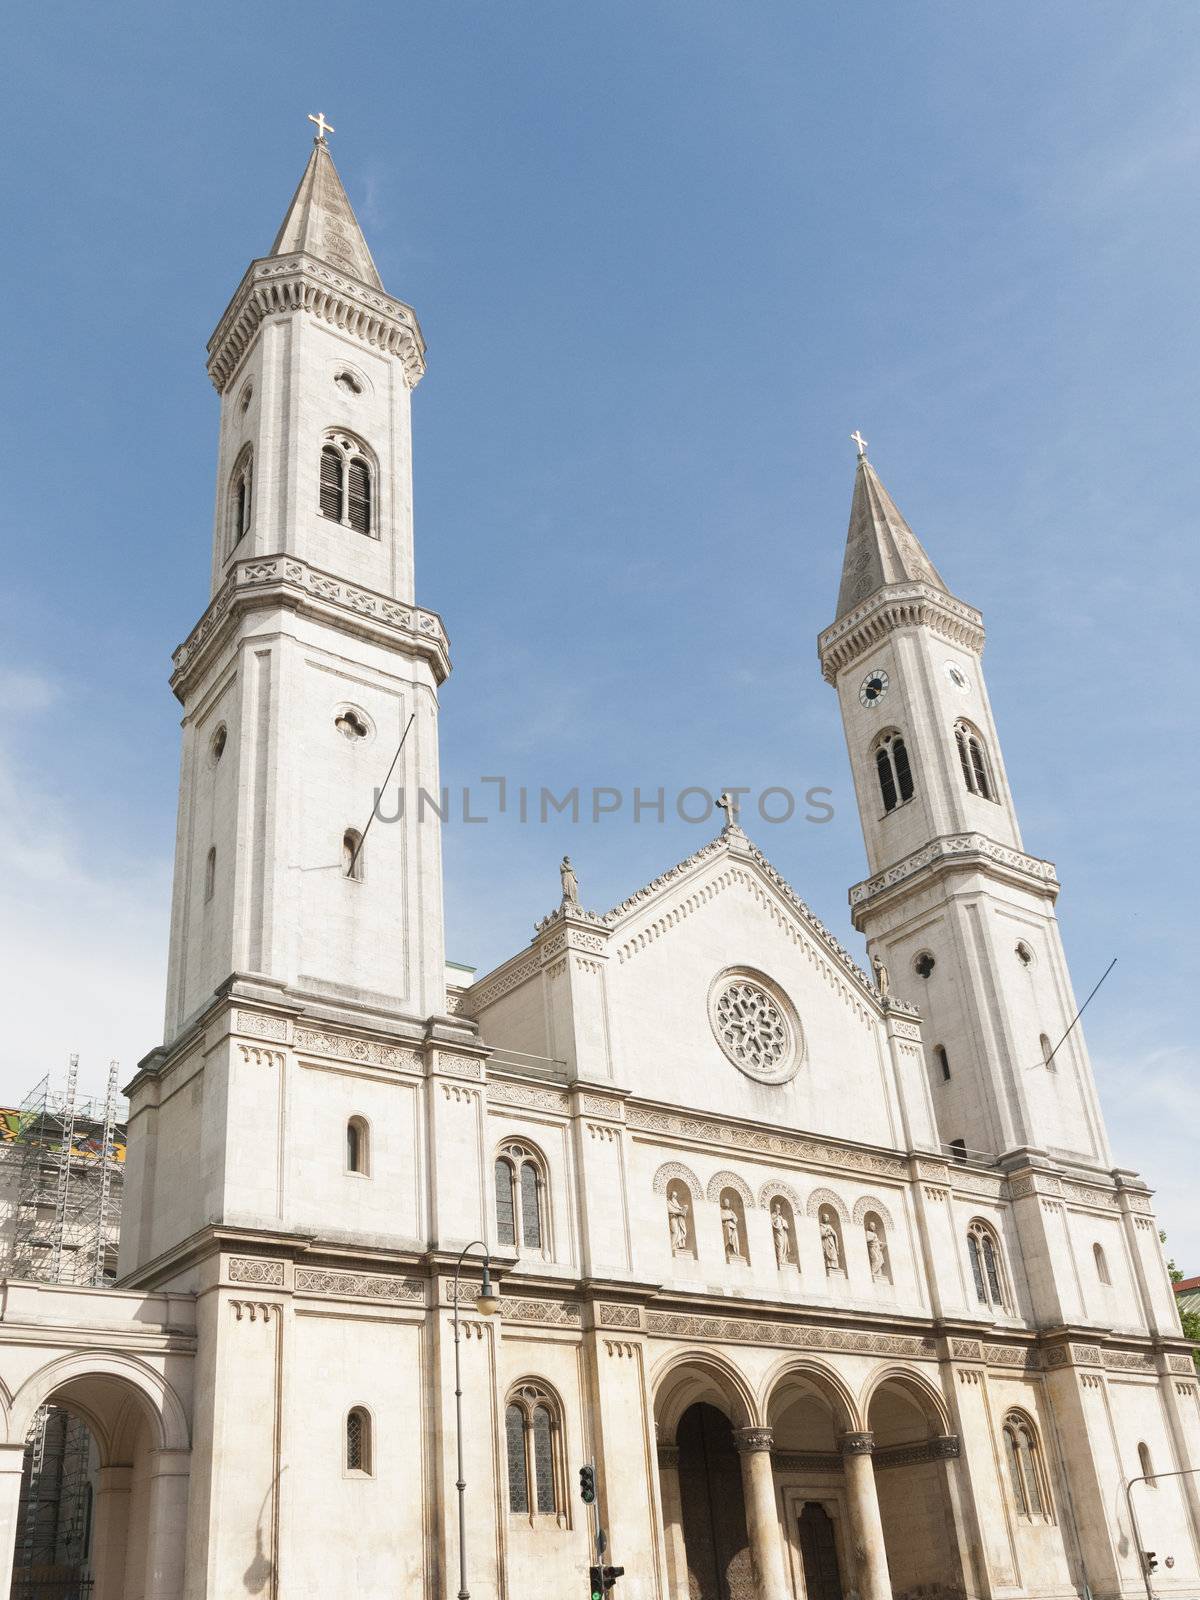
<point x="487" y="1304"/>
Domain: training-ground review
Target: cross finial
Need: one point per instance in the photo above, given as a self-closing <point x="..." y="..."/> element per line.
<point x="323" y="127"/>
<point x="860" y="442"/>
<point x="728" y="804"/>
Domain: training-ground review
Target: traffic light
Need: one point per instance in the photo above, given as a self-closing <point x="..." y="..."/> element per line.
<point x="587" y="1486"/>
<point x="609" y="1576"/>
<point x="1151" y="1560"/>
<point x="602" y="1579"/>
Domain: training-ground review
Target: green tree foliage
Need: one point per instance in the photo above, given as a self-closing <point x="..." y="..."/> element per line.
<point x="1189" y="1320"/>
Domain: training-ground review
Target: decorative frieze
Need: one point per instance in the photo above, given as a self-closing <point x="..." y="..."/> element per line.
<point x="261" y="1055"/>
<point x="806" y="1461"/>
<point x="508" y="979"/>
<point x="261" y="1026"/>
<point x="601" y="1105"/>
<point x="966" y="1350"/>
<point x="252" y="1310"/>
<point x="1025" y="1357"/>
<point x="521" y="1094"/>
<point x="610" y="1316"/>
<point x="1089" y="1195"/>
<point x="549" y="1313"/>
<point x="946" y="1448"/>
<point x="791" y="1147"/>
<point x="739" y="1330"/>
<point x="1180" y="1364"/>
<point x="359" y="1286"/>
<point x="953" y="847"/>
<point x="249" y="1269"/>
<point x="1129" y="1361"/>
<point x="349" y="1047"/>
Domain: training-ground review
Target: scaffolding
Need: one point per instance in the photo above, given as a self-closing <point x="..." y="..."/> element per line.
<point x="61" y="1168"/>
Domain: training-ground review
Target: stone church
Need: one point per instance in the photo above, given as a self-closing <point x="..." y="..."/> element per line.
<point x="831" y="1275"/>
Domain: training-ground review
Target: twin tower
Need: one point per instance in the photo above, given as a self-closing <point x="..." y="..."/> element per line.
<point x="313" y="662"/>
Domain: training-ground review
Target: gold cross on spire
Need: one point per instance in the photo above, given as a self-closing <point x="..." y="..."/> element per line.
<point x="859" y="441"/>
<point x="323" y="127"/>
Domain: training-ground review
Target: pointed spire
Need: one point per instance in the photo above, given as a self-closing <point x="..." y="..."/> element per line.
<point x="881" y="548"/>
<point x="321" y="223"/>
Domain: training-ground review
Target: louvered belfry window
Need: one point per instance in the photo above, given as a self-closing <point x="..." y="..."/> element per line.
<point x="331" y="483"/>
<point x="359" y="495"/>
<point x="895" y="773"/>
<point x="346" y="488"/>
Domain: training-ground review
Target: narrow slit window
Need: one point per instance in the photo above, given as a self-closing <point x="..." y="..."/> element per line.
<point x="358" y="1441"/>
<point x="518" y="1472"/>
<point x="943" y="1061"/>
<point x="506" y="1227"/>
<point x="1101" y="1261"/>
<point x="357" y="1146"/>
<point x="210" y="874"/>
<point x="531" y="1211"/>
<point x="359" y="495"/>
<point x="331" y="483"/>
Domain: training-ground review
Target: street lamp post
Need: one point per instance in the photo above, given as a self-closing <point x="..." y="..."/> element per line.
<point x="487" y="1304"/>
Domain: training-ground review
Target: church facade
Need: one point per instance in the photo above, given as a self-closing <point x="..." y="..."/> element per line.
<point x="832" y="1276"/>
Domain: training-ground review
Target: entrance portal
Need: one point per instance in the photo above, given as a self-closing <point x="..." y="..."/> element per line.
<point x="714" y="1513"/>
<point x="818" y="1553"/>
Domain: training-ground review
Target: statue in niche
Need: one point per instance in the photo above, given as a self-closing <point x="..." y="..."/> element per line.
<point x="783" y="1235"/>
<point x="830" y="1246"/>
<point x="677" y="1220"/>
<point x="875" y="1251"/>
<point x="883" y="979"/>
<point x="731" y="1227"/>
<point x="570" y="883"/>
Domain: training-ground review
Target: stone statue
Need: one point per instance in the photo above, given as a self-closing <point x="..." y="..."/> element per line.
<point x="783" y="1236"/>
<point x="829" y="1244"/>
<point x="728" y="804"/>
<point x="677" y="1219"/>
<point x="570" y="883"/>
<point x="732" y="1230"/>
<point x="883" y="978"/>
<point x="875" y="1252"/>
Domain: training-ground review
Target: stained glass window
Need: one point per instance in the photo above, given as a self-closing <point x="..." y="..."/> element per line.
<point x="358" y="1441"/>
<point x="506" y="1230"/>
<point x="518" y="1475"/>
<point x="531" y="1218"/>
<point x="543" y="1459"/>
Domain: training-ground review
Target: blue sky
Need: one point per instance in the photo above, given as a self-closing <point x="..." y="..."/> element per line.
<point x="666" y="257"/>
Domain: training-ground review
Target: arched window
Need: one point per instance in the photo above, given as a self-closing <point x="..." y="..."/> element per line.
<point x="353" y="855"/>
<point x="877" y="1250"/>
<point x="1146" y="1464"/>
<point x="210" y="873"/>
<point x="534" y="1451"/>
<point x="972" y="755"/>
<point x="1025" y="1470"/>
<point x="346" y="486"/>
<point x="358" y="1146"/>
<point x="892" y="767"/>
<point x="241" y="498"/>
<point x="1101" y="1261"/>
<point x="943" y="1061"/>
<point x="520" y="1198"/>
<point x="1047" y="1052"/>
<point x="984" y="1250"/>
<point x="358" y="1441"/>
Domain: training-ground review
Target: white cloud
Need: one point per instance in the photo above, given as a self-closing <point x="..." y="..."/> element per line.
<point x="23" y="692"/>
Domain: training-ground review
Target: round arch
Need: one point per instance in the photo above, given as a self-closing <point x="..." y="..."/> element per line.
<point x="99" y="1385"/>
<point x="694" y="1375"/>
<point x="807" y="1373"/>
<point x="916" y="1388"/>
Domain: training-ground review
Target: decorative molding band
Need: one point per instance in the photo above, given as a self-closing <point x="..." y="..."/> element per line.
<point x="946" y="1448"/>
<point x="1129" y="1361"/>
<point x="966" y="1350"/>
<point x="954" y="847"/>
<point x="261" y="1026"/>
<point x="1026" y="1357"/>
<point x="977" y="1183"/>
<point x="897" y="605"/>
<point x="359" y="1286"/>
<point x="806" y="1461"/>
<point x="668" y="1458"/>
<point x="1088" y="1195"/>
<point x="619" y="1316"/>
<point x="251" y="1310"/>
<point x="748" y="1441"/>
<point x="279" y="284"/>
<point x="506" y="979"/>
<point x="284" y="577"/>
<point x="549" y="1313"/>
<point x="738" y="1330"/>
<point x="792" y="1147"/>
<point x="518" y="1094"/>
<point x="1073" y="1355"/>
<point x="248" y="1269"/>
<point x="347" y="1047"/>
<point x="1181" y="1364"/>
<point x="601" y="1105"/>
<point x="826" y="1197"/>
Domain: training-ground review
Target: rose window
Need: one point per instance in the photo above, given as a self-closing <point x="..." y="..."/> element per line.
<point x="752" y="1030"/>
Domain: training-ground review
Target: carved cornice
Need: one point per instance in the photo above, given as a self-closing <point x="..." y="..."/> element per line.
<point x="787" y="1335"/>
<point x="286" y="580"/>
<point x="898" y="605"/>
<point x="954" y="850"/>
<point x="281" y="284"/>
<point x="763" y="1141"/>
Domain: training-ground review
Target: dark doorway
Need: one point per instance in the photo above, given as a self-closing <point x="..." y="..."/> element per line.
<point x="818" y="1552"/>
<point x="714" y="1513"/>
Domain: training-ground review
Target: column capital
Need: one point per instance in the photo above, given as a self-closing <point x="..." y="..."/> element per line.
<point x="857" y="1444"/>
<point x="668" y="1456"/>
<point x="947" y="1447"/>
<point x="749" y="1440"/>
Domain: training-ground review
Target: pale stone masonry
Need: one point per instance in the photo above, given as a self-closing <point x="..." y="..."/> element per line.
<point x="831" y="1275"/>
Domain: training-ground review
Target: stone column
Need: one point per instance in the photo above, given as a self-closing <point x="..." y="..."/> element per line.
<point x="110" y="1519"/>
<point x="672" y="1514"/>
<point x="762" y="1515"/>
<point x="866" y="1529"/>
<point x="12" y="1458"/>
<point x="166" y="1523"/>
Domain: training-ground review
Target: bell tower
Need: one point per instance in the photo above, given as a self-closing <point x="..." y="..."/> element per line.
<point x="959" y="914"/>
<point x="312" y="662"/>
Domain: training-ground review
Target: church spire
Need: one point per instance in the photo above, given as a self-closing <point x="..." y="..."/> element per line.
<point x="881" y="548"/>
<point x="321" y="223"/>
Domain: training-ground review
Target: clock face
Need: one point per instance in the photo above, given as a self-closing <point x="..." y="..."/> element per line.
<point x="957" y="676"/>
<point x="873" y="688"/>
